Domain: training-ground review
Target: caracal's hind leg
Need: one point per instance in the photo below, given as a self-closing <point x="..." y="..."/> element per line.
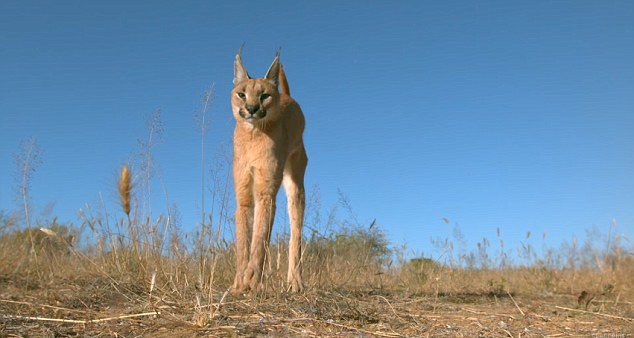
<point x="244" y="220"/>
<point x="266" y="185"/>
<point x="296" y="200"/>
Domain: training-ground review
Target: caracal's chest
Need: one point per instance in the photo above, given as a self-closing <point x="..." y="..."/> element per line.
<point x="256" y="149"/>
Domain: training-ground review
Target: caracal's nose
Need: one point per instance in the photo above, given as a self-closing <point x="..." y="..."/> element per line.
<point x="252" y="108"/>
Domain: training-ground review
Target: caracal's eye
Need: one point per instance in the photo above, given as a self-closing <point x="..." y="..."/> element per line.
<point x="241" y="95"/>
<point x="264" y="97"/>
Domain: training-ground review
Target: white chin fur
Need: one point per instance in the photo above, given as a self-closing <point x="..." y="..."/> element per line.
<point x="250" y="124"/>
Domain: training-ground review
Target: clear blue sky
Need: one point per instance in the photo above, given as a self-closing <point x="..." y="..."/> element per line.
<point x="491" y="114"/>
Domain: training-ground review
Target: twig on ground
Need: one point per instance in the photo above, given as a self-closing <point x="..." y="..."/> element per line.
<point x="44" y="306"/>
<point x="375" y="333"/>
<point x="222" y="299"/>
<point x="508" y="333"/>
<point x="125" y="317"/>
<point x="514" y="302"/>
<point x="79" y="321"/>
<point x="46" y="319"/>
<point x="488" y="313"/>
<point x="390" y="305"/>
<point x="595" y="313"/>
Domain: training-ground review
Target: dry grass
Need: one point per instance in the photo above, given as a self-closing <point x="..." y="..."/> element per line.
<point x="95" y="306"/>
<point x="139" y="275"/>
<point x="128" y="284"/>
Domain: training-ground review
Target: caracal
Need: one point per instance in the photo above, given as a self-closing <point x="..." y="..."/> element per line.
<point x="268" y="150"/>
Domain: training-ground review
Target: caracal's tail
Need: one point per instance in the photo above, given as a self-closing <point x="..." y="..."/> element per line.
<point x="283" y="82"/>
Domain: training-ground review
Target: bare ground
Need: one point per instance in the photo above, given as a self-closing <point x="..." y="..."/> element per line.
<point x="97" y="308"/>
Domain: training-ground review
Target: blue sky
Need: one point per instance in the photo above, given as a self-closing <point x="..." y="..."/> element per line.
<point x="490" y="114"/>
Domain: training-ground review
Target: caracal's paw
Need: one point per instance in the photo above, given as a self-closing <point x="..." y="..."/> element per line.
<point x="238" y="289"/>
<point x="252" y="278"/>
<point x="238" y="286"/>
<point x="295" y="284"/>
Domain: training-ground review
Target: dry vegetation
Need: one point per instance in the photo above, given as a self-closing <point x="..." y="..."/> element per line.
<point x="128" y="273"/>
<point x="134" y="277"/>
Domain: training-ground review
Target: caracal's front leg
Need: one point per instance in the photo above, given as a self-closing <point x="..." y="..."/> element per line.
<point x="266" y="185"/>
<point x="243" y="182"/>
<point x="296" y="201"/>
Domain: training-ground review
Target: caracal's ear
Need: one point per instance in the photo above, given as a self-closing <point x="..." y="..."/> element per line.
<point x="273" y="74"/>
<point x="239" y="73"/>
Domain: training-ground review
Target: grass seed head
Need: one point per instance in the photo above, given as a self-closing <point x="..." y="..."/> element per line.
<point x="125" y="185"/>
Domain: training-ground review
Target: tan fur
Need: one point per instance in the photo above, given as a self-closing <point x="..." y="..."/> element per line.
<point x="268" y="150"/>
<point x="283" y="82"/>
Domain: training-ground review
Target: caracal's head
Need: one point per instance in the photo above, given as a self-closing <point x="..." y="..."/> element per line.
<point x="255" y="101"/>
